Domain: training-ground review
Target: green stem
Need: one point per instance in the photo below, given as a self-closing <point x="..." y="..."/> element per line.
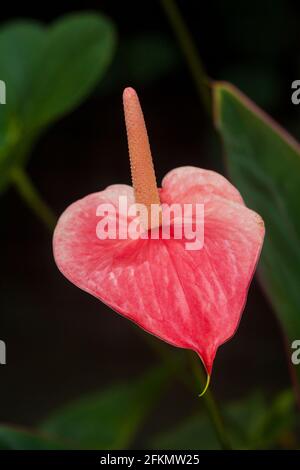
<point x="210" y="402"/>
<point x="31" y="196"/>
<point x="190" y="52"/>
<point x="178" y="369"/>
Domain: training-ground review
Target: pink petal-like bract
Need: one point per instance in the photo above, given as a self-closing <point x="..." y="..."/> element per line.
<point x="190" y="299"/>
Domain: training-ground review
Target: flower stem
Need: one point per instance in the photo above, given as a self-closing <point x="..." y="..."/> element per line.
<point x="210" y="402"/>
<point x="31" y="196"/>
<point x="190" y="52"/>
<point x="179" y="370"/>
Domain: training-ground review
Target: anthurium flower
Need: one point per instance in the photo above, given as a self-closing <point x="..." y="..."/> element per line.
<point x="190" y="298"/>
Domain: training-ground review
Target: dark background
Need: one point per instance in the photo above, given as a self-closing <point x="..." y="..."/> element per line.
<point x="60" y="341"/>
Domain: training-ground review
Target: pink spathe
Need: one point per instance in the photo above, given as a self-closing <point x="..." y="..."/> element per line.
<point x="191" y="299"/>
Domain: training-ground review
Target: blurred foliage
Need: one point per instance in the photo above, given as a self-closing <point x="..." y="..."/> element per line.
<point x="16" y="438"/>
<point x="264" y="164"/>
<point x="110" y="419"/>
<point x="259" y="81"/>
<point x="251" y="424"/>
<point x="253" y="29"/>
<point x="140" y="60"/>
<point x="47" y="64"/>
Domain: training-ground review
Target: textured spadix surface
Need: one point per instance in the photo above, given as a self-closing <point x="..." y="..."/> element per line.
<point x="191" y="299"/>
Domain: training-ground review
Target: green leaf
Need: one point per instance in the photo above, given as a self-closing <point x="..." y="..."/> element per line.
<point x="9" y="138"/>
<point x="48" y="71"/>
<point x="252" y="423"/>
<point x="264" y="164"/>
<point x="78" y="49"/>
<point x="12" y="438"/>
<point x="195" y="433"/>
<point x="21" y="43"/>
<point x="256" y="423"/>
<point x="141" y="59"/>
<point x="150" y="56"/>
<point x="109" y="419"/>
<point x="276" y="422"/>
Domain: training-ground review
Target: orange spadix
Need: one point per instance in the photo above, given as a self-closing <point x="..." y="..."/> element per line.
<point x="141" y="164"/>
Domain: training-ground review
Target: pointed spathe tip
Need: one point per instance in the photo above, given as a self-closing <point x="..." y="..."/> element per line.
<point x="206" y="386"/>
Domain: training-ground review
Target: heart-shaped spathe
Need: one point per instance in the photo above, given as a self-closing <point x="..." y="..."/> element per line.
<point x="190" y="299"/>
